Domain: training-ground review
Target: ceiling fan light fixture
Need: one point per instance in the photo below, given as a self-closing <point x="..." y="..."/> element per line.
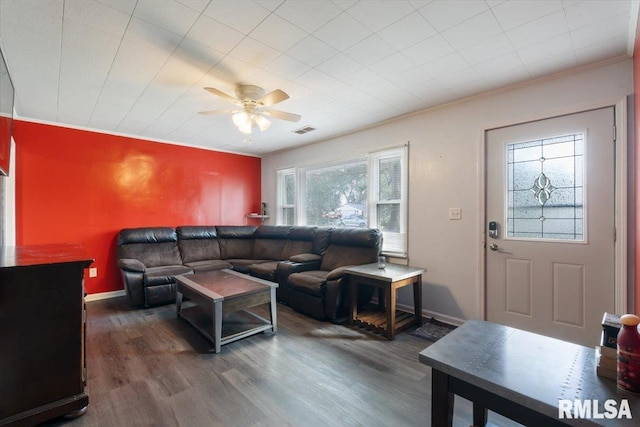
<point x="241" y="119"/>
<point x="245" y="127"/>
<point x="262" y="122"/>
<point x="253" y="102"/>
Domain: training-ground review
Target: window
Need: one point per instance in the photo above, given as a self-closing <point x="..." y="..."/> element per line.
<point x="545" y="188"/>
<point x="388" y="209"/>
<point x="336" y="195"/>
<point x="364" y="191"/>
<point x="286" y="197"/>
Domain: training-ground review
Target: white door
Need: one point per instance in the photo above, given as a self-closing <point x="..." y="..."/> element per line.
<point x="550" y="191"/>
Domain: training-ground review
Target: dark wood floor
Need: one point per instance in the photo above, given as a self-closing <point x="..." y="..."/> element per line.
<point x="147" y="367"/>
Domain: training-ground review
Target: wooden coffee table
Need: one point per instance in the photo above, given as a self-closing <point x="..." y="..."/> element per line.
<point x="223" y="292"/>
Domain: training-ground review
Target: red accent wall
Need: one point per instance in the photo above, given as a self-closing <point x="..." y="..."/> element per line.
<point x="80" y="186"/>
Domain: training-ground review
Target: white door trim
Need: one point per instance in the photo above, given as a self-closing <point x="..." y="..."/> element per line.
<point x="621" y="203"/>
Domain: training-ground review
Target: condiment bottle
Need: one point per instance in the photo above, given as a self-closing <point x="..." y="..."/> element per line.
<point x="629" y="354"/>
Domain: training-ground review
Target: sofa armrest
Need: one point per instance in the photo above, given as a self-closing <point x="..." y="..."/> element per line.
<point x="285" y="268"/>
<point x="304" y="258"/>
<point x="132" y="273"/>
<point x="129" y="264"/>
<point x="338" y="272"/>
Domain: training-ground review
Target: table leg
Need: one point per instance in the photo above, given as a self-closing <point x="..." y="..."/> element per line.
<point x="480" y="414"/>
<point x="390" y="296"/>
<point x="217" y="325"/>
<point x="382" y="301"/>
<point x="353" y="300"/>
<point x="417" y="299"/>
<point x="274" y="315"/>
<point x="178" y="303"/>
<point x="441" y="400"/>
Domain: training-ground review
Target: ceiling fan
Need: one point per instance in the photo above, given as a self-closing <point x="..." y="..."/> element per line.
<point x="252" y="107"/>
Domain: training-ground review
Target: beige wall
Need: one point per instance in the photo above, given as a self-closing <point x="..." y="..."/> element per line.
<point x="444" y="161"/>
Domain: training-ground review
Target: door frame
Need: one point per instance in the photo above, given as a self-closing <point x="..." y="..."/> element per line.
<point x="621" y="198"/>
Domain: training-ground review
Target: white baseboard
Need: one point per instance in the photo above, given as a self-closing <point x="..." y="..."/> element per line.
<point x="105" y="295"/>
<point x="433" y="314"/>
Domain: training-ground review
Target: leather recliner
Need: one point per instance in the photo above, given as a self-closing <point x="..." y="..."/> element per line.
<point x="323" y="293"/>
<point x="149" y="259"/>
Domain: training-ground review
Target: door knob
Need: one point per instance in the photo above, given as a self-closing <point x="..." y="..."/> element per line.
<point x="493" y="247"/>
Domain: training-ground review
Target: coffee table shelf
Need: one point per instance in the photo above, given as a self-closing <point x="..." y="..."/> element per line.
<point x="235" y="326"/>
<point x="219" y="297"/>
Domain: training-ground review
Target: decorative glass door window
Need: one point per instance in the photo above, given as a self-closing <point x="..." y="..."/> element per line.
<point x="545" y="197"/>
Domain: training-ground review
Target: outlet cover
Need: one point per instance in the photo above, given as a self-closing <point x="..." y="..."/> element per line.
<point x="93" y="272"/>
<point x="455" y="213"/>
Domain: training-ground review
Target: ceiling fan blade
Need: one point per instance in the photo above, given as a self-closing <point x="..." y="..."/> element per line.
<point x="282" y="115"/>
<point x="273" y="98"/>
<point x="218" y="112"/>
<point x="221" y="94"/>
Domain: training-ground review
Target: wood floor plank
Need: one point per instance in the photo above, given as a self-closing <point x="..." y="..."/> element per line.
<point x="148" y="367"/>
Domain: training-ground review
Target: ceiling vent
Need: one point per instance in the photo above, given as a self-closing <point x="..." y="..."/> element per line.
<point x="304" y="130"/>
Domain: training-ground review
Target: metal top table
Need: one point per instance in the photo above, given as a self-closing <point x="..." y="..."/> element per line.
<point x="518" y="374"/>
<point x="386" y="320"/>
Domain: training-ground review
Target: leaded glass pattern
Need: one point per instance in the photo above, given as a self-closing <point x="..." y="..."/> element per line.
<point x="545" y="197"/>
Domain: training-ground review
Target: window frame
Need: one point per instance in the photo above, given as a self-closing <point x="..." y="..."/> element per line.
<point x="373" y="199"/>
<point x="281" y="194"/>
<point x="372" y="202"/>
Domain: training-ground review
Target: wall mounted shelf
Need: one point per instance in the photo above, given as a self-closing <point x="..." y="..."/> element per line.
<point x="258" y="216"/>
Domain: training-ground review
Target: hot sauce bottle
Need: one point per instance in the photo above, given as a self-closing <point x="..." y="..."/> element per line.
<point x="629" y="354"/>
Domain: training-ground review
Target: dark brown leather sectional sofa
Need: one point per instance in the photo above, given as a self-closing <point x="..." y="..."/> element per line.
<point x="306" y="262"/>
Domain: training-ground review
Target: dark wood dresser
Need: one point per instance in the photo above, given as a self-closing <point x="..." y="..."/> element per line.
<point x="42" y="333"/>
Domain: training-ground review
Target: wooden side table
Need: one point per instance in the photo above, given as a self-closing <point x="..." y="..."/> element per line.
<point x="387" y="320"/>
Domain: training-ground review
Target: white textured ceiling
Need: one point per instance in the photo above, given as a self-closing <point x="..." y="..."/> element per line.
<point x="138" y="67"/>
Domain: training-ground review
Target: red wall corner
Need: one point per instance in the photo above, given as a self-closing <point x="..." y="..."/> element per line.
<point x="81" y="186"/>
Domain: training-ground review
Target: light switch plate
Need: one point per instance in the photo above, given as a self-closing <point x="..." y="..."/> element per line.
<point x="93" y="272"/>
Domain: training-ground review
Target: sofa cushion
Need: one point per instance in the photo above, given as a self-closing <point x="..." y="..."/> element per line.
<point x="360" y="237"/>
<point x="208" y="265"/>
<point x="337" y="273"/>
<point x="296" y="247"/>
<point x="243" y="265"/>
<point x="146" y="235"/>
<point x="197" y="243"/>
<point x="305" y="258"/>
<point x="196" y="232"/>
<point x="275" y="232"/>
<point x="264" y="270"/>
<point x="339" y="256"/>
<point x="131" y="265"/>
<point x="236" y="242"/>
<point x="236" y="231"/>
<point x="165" y="274"/>
<point x="268" y="249"/>
<point x="321" y="240"/>
<point x="269" y="241"/>
<point x="300" y="241"/>
<point x="153" y="246"/>
<point x="309" y="282"/>
<point x="153" y="255"/>
<point x="352" y="246"/>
